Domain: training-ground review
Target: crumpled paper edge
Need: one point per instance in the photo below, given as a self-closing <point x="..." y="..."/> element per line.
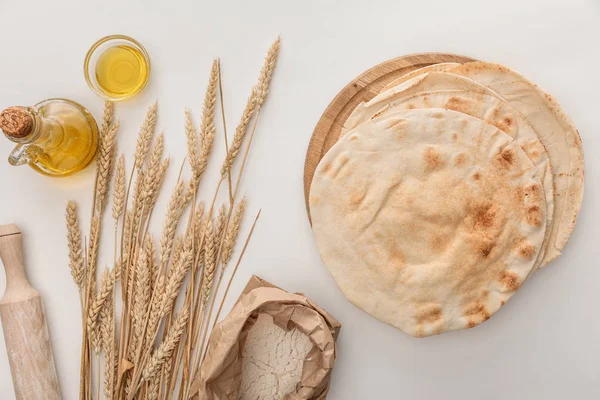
<point x="220" y="377"/>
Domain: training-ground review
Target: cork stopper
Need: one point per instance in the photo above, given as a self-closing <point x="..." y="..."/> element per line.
<point x="16" y="122"/>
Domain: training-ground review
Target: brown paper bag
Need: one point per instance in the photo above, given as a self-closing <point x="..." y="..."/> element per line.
<point x="220" y="375"/>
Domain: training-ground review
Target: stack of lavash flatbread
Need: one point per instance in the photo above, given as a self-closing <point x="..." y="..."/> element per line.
<point x="445" y="193"/>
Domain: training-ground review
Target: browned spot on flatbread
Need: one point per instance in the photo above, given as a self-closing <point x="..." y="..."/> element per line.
<point x="483" y="213"/>
<point x="510" y="281"/>
<point x="479" y="311"/>
<point x="437" y="115"/>
<point x="506" y="158"/>
<point x="525" y="249"/>
<point x="476" y="176"/>
<point x="326" y="168"/>
<point x="433" y="158"/>
<point x="411" y="106"/>
<point x="454" y="137"/>
<point x="533" y="216"/>
<point x="315" y="199"/>
<point x="355" y="199"/>
<point x="459" y="104"/>
<point x="460" y="159"/>
<point x="486" y="248"/>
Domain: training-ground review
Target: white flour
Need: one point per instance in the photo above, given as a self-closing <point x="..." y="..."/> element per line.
<point x="272" y="360"/>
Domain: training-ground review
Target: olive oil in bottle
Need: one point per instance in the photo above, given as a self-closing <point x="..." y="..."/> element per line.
<point x="121" y="71"/>
<point x="57" y="137"/>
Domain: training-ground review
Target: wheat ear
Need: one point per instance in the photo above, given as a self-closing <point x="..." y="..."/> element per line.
<point x="145" y="136"/>
<point x="266" y="72"/>
<point x="191" y="134"/>
<point x="74" y="244"/>
<point x="119" y="190"/>
<point x="174" y="211"/>
<point x="105" y="162"/>
<point x="107" y="330"/>
<point x="165" y="349"/>
<point x="106" y="287"/>
<point x="210" y="250"/>
<point x="207" y="126"/>
<point x="240" y="133"/>
<point x="232" y="232"/>
<point x="141" y="296"/>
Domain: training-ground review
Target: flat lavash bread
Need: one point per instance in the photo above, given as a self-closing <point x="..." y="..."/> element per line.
<point x="494" y="111"/>
<point x="420" y="71"/>
<point x="428" y="220"/>
<point x="556" y="132"/>
<point x="423" y="83"/>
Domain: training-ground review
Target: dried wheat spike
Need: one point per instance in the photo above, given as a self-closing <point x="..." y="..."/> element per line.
<point x="93" y="251"/>
<point x="107" y="331"/>
<point x="151" y="175"/>
<point x="220" y="225"/>
<point x="207" y="126"/>
<point x="232" y="232"/>
<point x="105" y="162"/>
<point x="95" y="340"/>
<point x="192" y="143"/>
<point x="106" y="290"/>
<point x="165" y="349"/>
<point x="107" y="118"/>
<point x="266" y="72"/>
<point x="240" y="133"/>
<point x="174" y="212"/>
<point x="210" y="251"/>
<point x="74" y="244"/>
<point x="119" y="190"/>
<point x="152" y="393"/>
<point x="175" y="280"/>
<point x="145" y="136"/>
<point x="155" y="310"/>
<point x="141" y="296"/>
<point x="160" y="179"/>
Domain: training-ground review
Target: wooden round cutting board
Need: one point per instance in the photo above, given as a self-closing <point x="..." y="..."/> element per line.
<point x="363" y="88"/>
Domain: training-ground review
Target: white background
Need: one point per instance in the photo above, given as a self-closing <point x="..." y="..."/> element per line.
<point x="544" y="344"/>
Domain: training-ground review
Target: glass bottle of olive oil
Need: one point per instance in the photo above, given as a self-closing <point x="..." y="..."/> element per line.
<point x="57" y="137"/>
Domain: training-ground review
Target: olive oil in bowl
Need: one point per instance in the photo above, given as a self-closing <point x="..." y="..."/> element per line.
<point x="117" y="68"/>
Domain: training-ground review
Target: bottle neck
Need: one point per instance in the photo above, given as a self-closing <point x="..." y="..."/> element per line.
<point x="42" y="129"/>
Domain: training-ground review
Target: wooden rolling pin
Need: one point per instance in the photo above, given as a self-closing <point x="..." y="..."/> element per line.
<point x="24" y="325"/>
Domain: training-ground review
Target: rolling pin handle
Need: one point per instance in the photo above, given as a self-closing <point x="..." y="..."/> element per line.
<point x="11" y="253"/>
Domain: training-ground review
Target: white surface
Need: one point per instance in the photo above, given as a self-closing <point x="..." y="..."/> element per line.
<point x="544" y="344"/>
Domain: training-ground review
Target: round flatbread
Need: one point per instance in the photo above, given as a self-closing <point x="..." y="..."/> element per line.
<point x="492" y="110"/>
<point x="556" y="132"/>
<point x="420" y="71"/>
<point x="429" y="219"/>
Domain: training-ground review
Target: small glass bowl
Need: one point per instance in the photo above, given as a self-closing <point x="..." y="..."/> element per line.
<point x="91" y="58"/>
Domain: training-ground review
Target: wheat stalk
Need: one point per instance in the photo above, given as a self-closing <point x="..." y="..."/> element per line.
<point x="175" y="280"/>
<point x="105" y="162"/>
<point x="107" y="330"/>
<point x="145" y="135"/>
<point x="232" y="232"/>
<point x="209" y="262"/>
<point x="165" y="349"/>
<point x="141" y="296"/>
<point x="174" y="211"/>
<point x="119" y="190"/>
<point x="240" y="133"/>
<point x="74" y="244"/>
<point x="207" y="126"/>
<point x="266" y="72"/>
<point x="192" y="142"/>
<point x="159" y="180"/>
<point x="105" y="292"/>
<point x="220" y="224"/>
<point x="151" y="175"/>
<point x="93" y="252"/>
